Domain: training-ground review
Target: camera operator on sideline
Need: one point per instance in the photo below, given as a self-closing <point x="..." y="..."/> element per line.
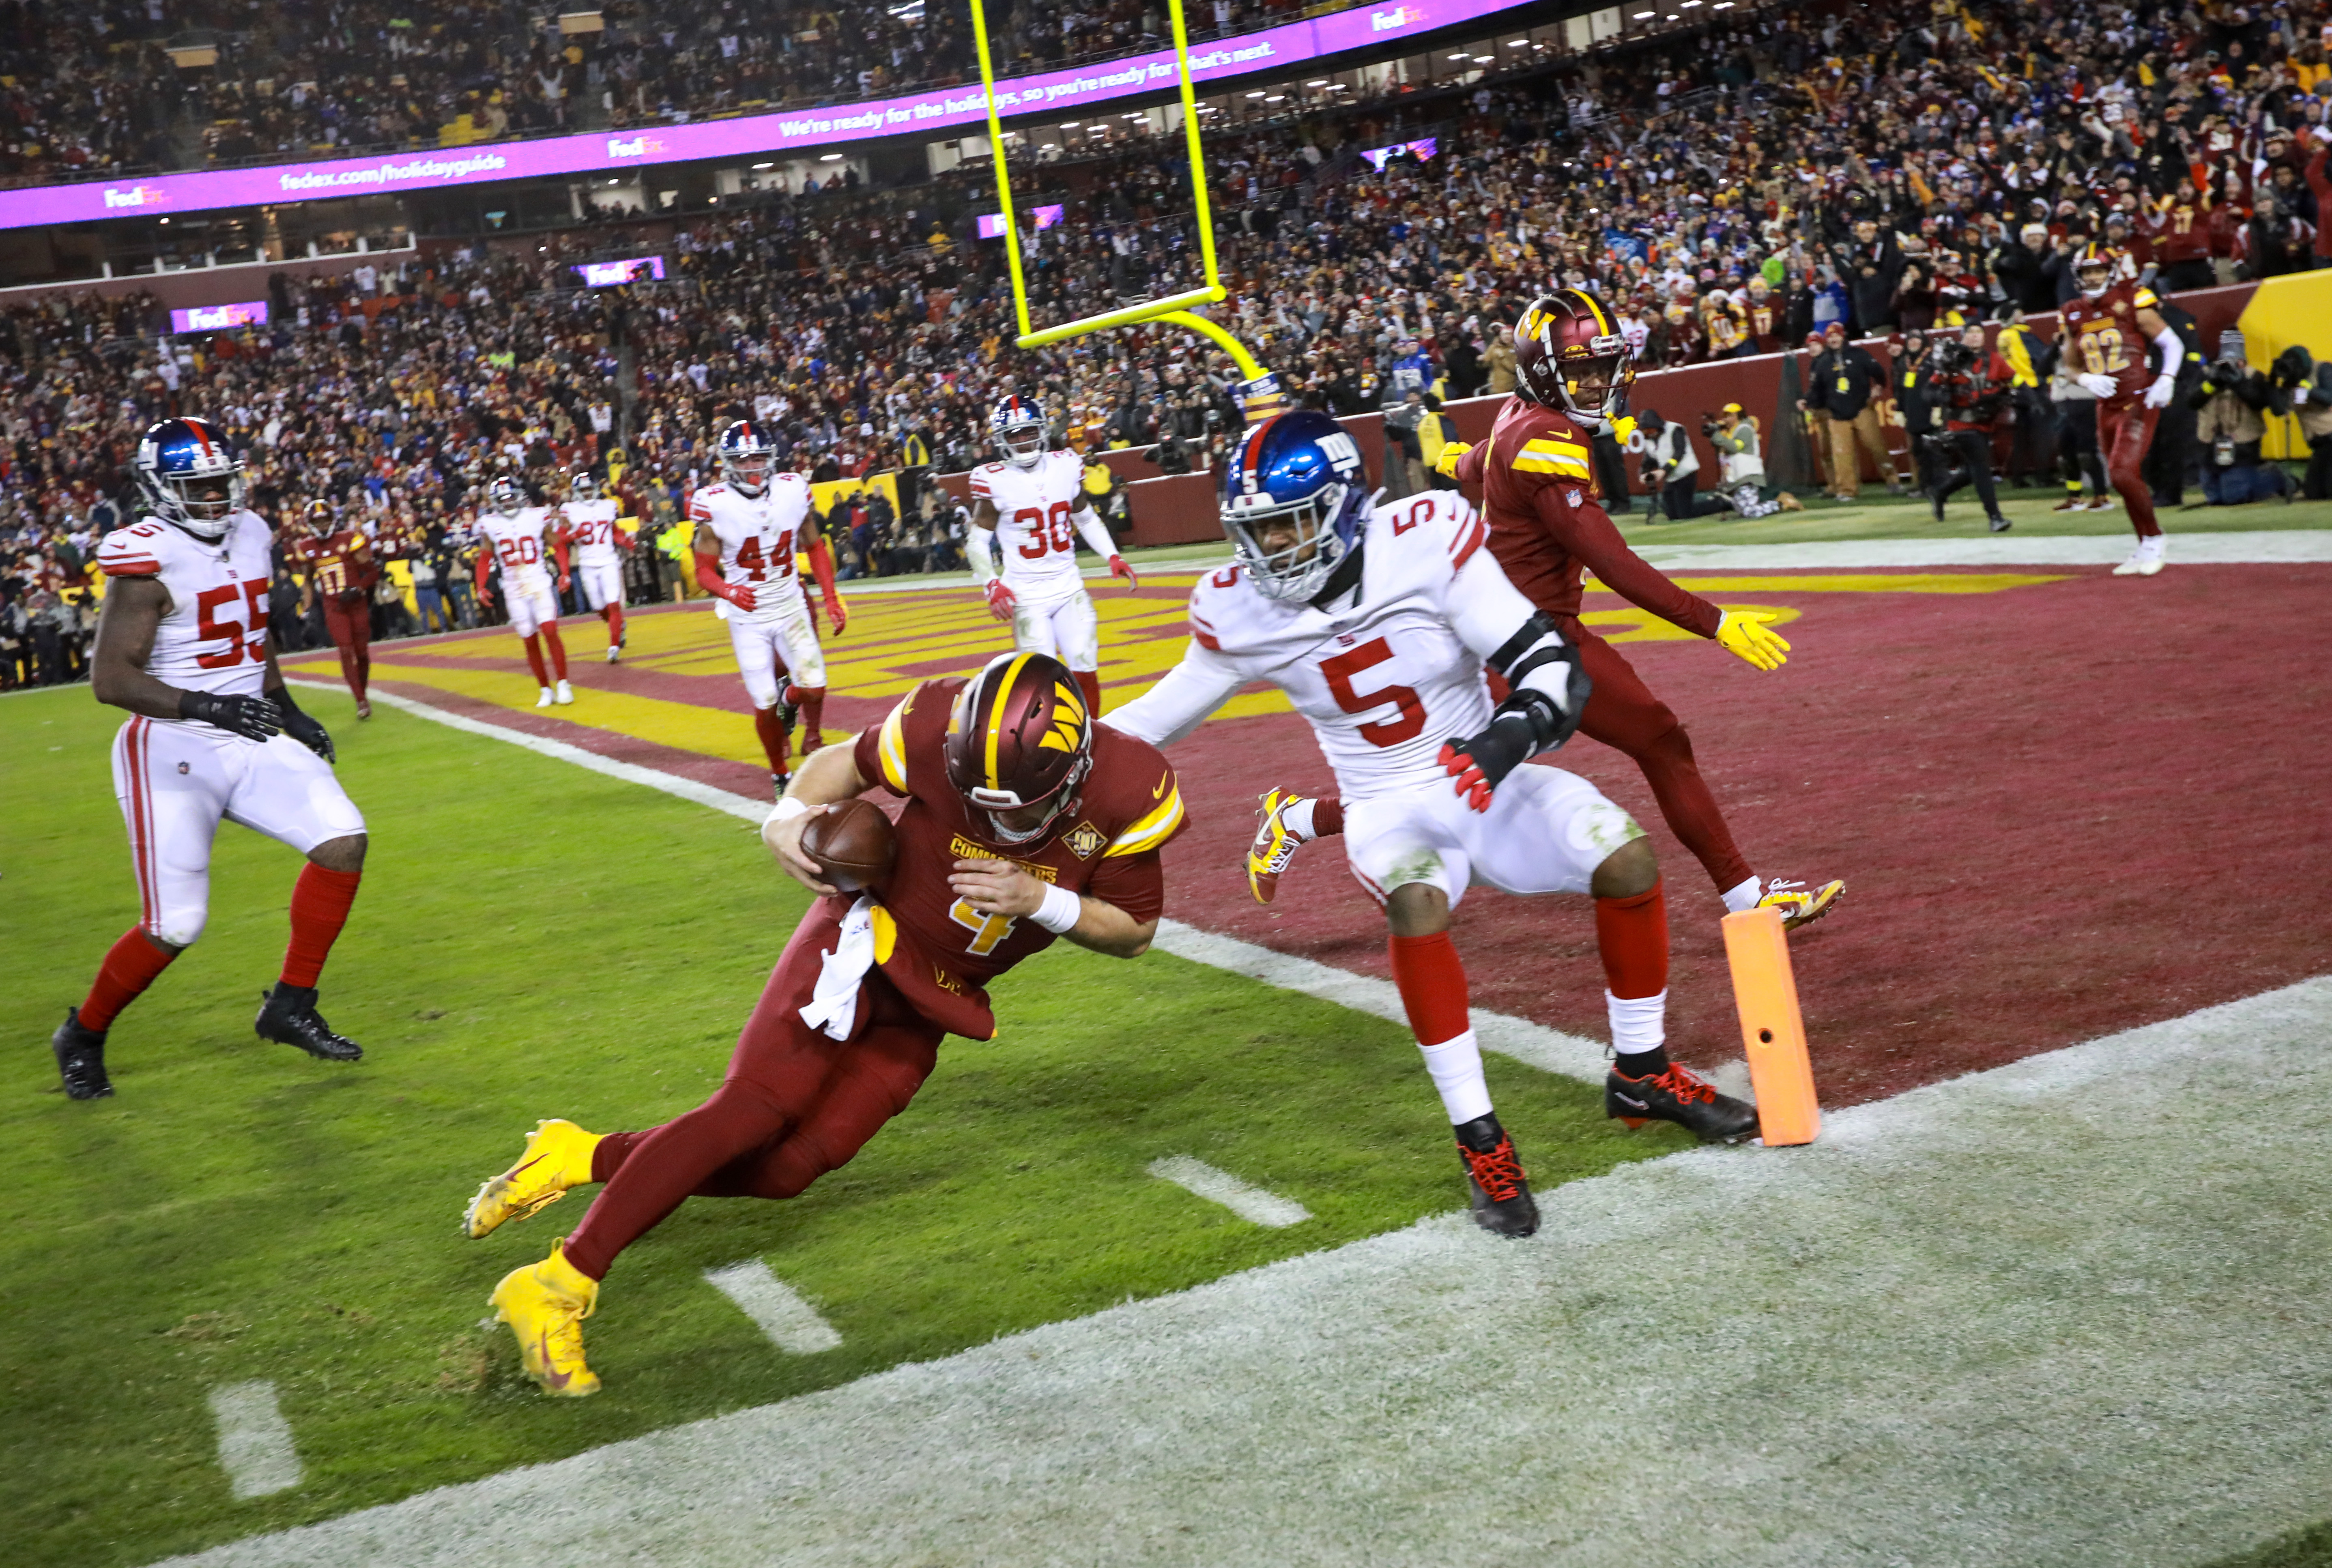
<point x="1913" y="382"/>
<point x="2229" y="403"/>
<point x="1743" y="461"/>
<point x="1971" y="384"/>
<point x="1670" y="465"/>
<point x="2307" y="382"/>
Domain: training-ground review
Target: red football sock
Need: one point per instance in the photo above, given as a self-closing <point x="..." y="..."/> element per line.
<point x="1327" y="816"/>
<point x="811" y="700"/>
<point x="128" y="969"/>
<point x="1089" y="683"/>
<point x="319" y="907"/>
<point x="557" y="649"/>
<point x="773" y="737"/>
<point x="356" y="668"/>
<point x="534" y="659"/>
<point x="1632" y="933"/>
<point x="1432" y="981"/>
<point x="613" y="614"/>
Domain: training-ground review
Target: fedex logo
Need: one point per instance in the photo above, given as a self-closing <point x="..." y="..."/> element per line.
<point x="633" y="146"/>
<point x="1399" y="17"/>
<point x="137" y="196"/>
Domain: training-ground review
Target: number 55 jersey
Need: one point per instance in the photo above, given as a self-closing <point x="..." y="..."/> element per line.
<point x="932" y="945"/>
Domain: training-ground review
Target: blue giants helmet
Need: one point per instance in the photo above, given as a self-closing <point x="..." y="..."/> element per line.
<point x="747" y="456"/>
<point x="1303" y="467"/>
<point x="1018" y="427"/>
<point x="186" y="476"/>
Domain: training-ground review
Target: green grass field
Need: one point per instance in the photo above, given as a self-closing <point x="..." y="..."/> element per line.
<point x="532" y="940"/>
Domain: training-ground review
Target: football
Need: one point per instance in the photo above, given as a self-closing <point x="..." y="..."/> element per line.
<point x="852" y="842"/>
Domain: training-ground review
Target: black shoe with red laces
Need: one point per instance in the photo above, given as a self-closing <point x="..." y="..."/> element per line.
<point x="1681" y="1095"/>
<point x="1502" y="1197"/>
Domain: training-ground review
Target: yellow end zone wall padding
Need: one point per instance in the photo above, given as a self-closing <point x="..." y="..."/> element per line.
<point x="2293" y="309"/>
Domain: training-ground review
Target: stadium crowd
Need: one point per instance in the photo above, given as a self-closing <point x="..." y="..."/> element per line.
<point x="91" y="89"/>
<point x="1784" y="174"/>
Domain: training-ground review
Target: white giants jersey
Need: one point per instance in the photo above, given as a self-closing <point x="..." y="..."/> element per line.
<point x="758" y="534"/>
<point x="517" y="546"/>
<point x="591" y="526"/>
<point x="214" y="637"/>
<point x="1035" y="543"/>
<point x="1386" y="674"/>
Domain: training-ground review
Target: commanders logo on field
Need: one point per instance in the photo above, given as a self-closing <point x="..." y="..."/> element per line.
<point x="1085" y="840"/>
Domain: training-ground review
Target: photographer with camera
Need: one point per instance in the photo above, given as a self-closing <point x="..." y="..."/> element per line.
<point x="2230" y="402"/>
<point x="2305" y="384"/>
<point x="1743" y="464"/>
<point x="1970" y="384"/>
<point x="1671" y="467"/>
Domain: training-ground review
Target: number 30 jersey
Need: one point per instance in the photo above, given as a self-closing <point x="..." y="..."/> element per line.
<point x="758" y="534"/>
<point x="1036" y="539"/>
<point x="214" y="637"/>
<point x="1385" y="663"/>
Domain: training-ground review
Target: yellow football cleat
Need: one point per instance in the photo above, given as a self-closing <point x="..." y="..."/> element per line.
<point x="558" y="1156"/>
<point x="1274" y="845"/>
<point x="1799" y="904"/>
<point x="545" y="1304"/>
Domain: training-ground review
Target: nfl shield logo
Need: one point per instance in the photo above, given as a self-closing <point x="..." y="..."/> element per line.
<point x="1572" y="496"/>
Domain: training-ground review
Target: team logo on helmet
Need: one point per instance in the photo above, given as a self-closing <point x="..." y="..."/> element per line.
<point x="188" y="477"/>
<point x="504" y="496"/>
<point x="1019" y="743"/>
<point x="1294" y="498"/>
<point x="747" y="456"/>
<point x="2099" y="267"/>
<point x="1017" y="426"/>
<point x="1569" y="354"/>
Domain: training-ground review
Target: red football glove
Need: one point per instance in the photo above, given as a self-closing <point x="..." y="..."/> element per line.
<point x="564" y="578"/>
<point x="742" y="596"/>
<point x="1117" y="567"/>
<point x="1002" y="602"/>
<point x="837" y="616"/>
<point x="1472" y="782"/>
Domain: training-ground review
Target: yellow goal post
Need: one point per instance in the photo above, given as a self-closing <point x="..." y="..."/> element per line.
<point x="1174" y="307"/>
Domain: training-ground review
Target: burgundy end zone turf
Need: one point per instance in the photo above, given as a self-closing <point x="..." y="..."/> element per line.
<point x="2061" y="810"/>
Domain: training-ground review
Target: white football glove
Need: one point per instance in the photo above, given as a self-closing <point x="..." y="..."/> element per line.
<point x="2158" y="395"/>
<point x="2097" y="386"/>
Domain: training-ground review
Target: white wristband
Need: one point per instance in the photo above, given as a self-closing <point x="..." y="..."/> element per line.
<point x="787" y="809"/>
<point x="1060" y="912"/>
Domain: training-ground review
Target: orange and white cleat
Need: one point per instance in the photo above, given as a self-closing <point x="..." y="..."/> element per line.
<point x="1800" y="904"/>
<point x="1274" y="845"/>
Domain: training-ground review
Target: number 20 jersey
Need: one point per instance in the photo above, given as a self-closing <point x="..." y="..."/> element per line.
<point x="215" y="636"/>
<point x="757" y="536"/>
<point x="1035" y="543"/>
<point x="1381" y="673"/>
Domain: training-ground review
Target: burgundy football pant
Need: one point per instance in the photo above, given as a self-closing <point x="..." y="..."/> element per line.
<point x="795" y="1104"/>
<point x="2124" y="434"/>
<point x="350" y="626"/>
<point x="1623" y="714"/>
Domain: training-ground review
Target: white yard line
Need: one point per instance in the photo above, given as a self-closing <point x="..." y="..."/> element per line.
<point x="1250" y="1203"/>
<point x="254" y="1441"/>
<point x="2064" y="1313"/>
<point x="2257" y="545"/>
<point x="792" y="1324"/>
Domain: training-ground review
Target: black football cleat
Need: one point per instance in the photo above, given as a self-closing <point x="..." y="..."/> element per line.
<point x="779" y="783"/>
<point x="1502" y="1201"/>
<point x="289" y="1017"/>
<point x="81" y="1059"/>
<point x="1683" y="1096"/>
<point x="1997" y="523"/>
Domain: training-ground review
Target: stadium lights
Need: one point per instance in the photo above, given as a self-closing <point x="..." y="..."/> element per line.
<point x="757" y="167"/>
<point x="1277" y="98"/>
<point x="1137" y="114"/>
<point x="1461" y="54"/>
<point x="1645" y="16"/>
<point x="830" y="158"/>
<point x="1486" y="59"/>
<point x="1321" y="82"/>
<point x="1257" y="93"/>
<point x="1070" y="124"/>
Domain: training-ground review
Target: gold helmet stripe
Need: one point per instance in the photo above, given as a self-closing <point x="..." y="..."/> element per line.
<point x="996" y="693"/>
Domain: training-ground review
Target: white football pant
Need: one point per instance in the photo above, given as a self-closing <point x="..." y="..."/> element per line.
<point x="175" y="781"/>
<point x="770" y="649"/>
<point x="603" y="584"/>
<point x="1066" y="628"/>
<point x="531" y="604"/>
<point x="1546" y="831"/>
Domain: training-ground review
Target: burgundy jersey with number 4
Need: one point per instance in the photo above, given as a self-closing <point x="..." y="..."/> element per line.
<point x="943" y="953"/>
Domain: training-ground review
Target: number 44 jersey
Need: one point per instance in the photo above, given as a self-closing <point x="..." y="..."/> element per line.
<point x="759" y="534"/>
<point x="1385" y="662"/>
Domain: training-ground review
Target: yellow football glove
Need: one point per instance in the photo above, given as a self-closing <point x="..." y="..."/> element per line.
<point x="1744" y="632"/>
<point x="1445" y="462"/>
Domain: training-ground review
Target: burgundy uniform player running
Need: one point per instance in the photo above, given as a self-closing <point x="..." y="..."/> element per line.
<point x="1546" y="529"/>
<point x="1024" y="821"/>
<point x="341" y="572"/>
<point x="2105" y="332"/>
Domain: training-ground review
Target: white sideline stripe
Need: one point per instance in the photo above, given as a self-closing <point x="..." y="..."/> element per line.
<point x="792" y="1324"/>
<point x="2268" y="546"/>
<point x="2063" y="1311"/>
<point x="1250" y="1203"/>
<point x="1534" y="1045"/>
<point x="254" y="1441"/>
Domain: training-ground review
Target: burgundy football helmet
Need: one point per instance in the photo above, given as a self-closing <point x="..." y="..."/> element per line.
<point x="1569" y="354"/>
<point x="1020" y="741"/>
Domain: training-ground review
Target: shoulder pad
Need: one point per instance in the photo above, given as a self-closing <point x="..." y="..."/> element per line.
<point x="133" y="552"/>
<point x="2145" y="300"/>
